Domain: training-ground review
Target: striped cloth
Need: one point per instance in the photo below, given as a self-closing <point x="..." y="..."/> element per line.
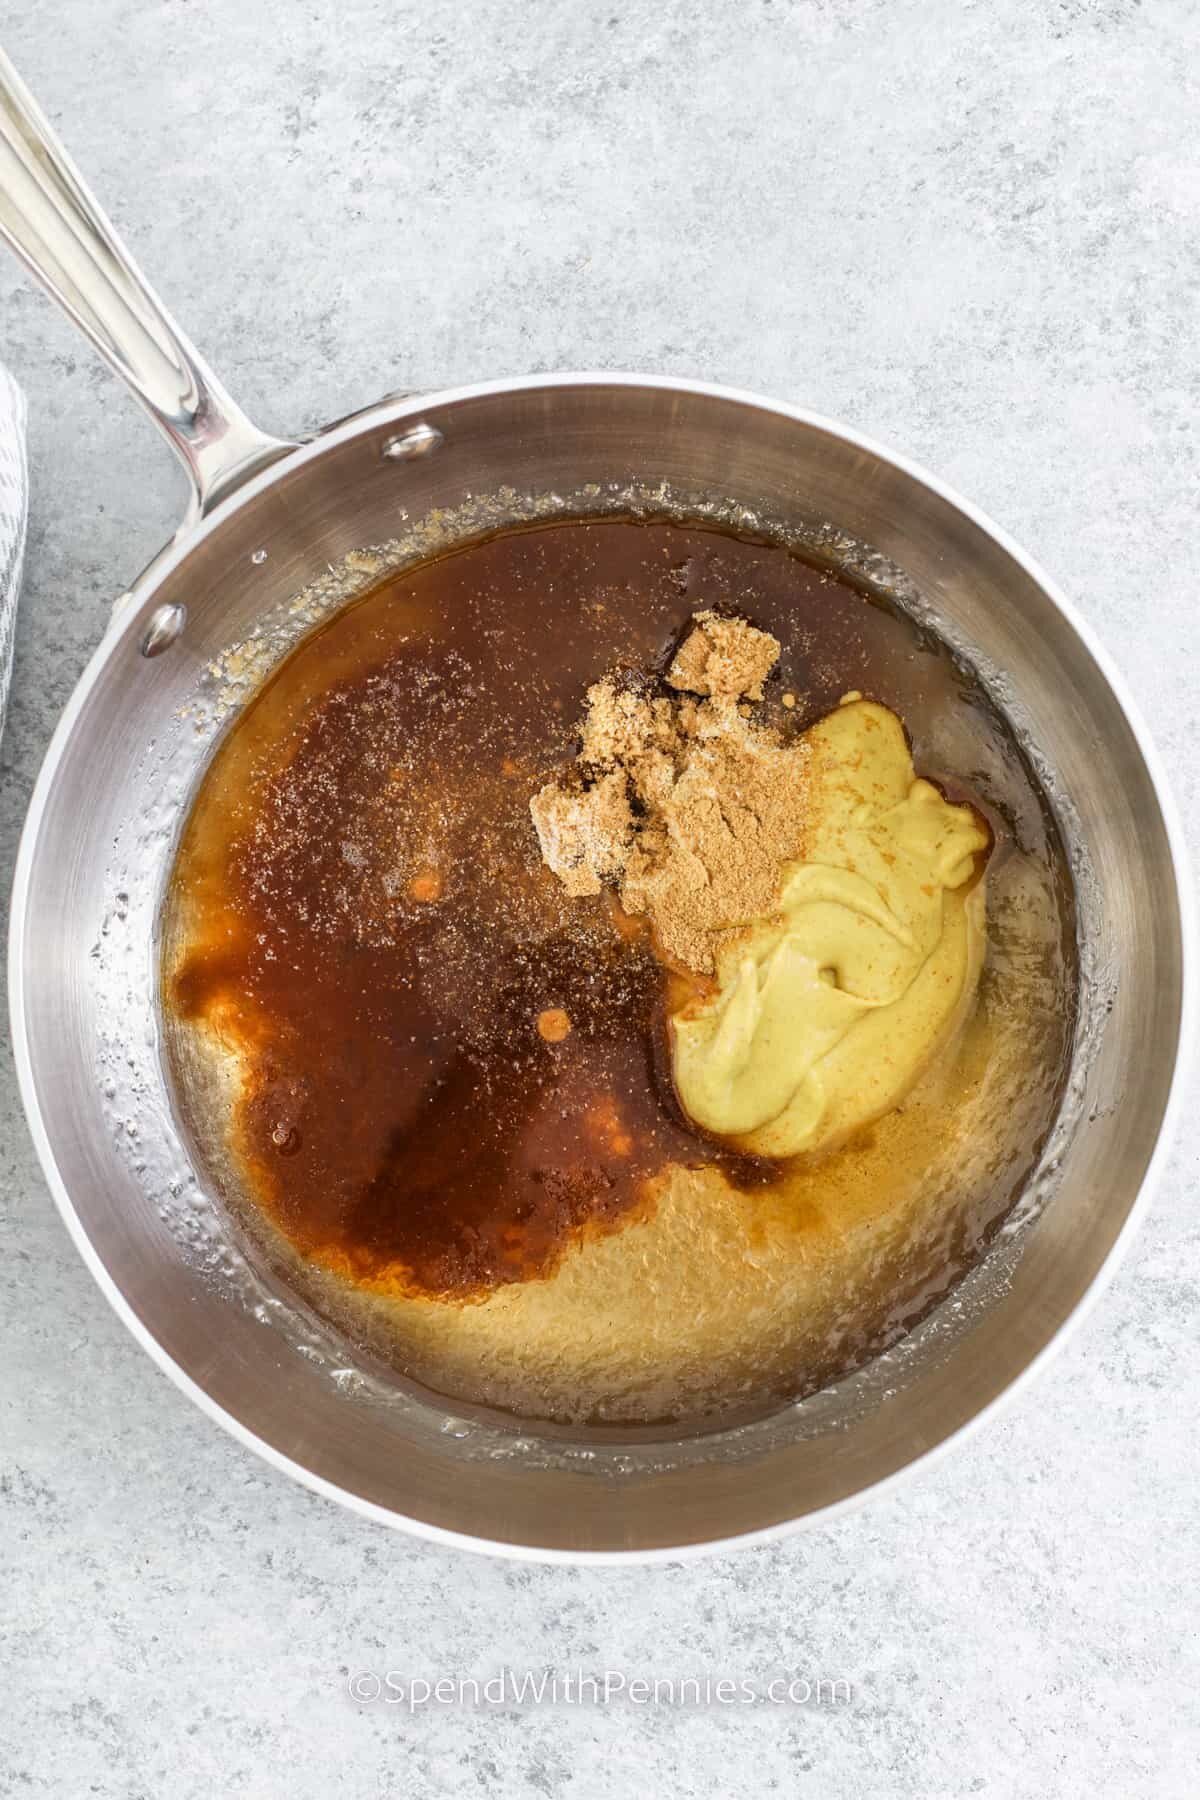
<point x="14" y="495"/>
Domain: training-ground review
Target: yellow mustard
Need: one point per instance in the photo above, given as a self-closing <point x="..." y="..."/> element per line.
<point x="827" y="1012"/>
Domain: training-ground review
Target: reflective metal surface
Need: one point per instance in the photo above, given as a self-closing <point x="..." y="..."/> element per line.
<point x="52" y="222"/>
<point x="97" y="848"/>
<point x="419" y="440"/>
<point x="165" y="628"/>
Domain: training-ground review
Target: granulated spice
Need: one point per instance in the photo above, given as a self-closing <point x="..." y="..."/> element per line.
<point x="554" y="1024"/>
<point x="687" y="806"/>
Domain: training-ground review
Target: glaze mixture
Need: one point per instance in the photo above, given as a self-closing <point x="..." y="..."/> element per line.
<point x="435" y="1082"/>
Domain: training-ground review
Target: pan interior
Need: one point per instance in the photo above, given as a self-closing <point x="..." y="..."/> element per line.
<point x="708" y="1294"/>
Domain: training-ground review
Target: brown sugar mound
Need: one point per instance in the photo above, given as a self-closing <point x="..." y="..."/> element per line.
<point x="686" y="807"/>
<point x="584" y="831"/>
<point x="726" y="658"/>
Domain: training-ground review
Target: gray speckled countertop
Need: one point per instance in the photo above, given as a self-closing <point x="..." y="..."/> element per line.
<point x="972" y="230"/>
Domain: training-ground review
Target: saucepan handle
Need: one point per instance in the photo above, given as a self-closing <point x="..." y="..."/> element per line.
<point x="52" y="222"/>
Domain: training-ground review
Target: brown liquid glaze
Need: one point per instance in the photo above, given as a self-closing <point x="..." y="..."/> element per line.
<point x="365" y="922"/>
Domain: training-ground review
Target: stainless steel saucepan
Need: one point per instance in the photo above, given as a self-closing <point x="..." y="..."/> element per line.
<point x="270" y="518"/>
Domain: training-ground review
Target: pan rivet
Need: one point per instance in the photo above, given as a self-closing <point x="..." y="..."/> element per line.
<point x="166" y="623"/>
<point x="418" y="440"/>
<point x="258" y="557"/>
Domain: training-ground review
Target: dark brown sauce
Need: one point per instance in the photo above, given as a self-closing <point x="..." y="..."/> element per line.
<point x="368" y="924"/>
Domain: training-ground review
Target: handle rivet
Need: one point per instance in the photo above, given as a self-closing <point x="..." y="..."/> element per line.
<point x="166" y="624"/>
<point x="418" y="440"/>
<point x="258" y="557"/>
